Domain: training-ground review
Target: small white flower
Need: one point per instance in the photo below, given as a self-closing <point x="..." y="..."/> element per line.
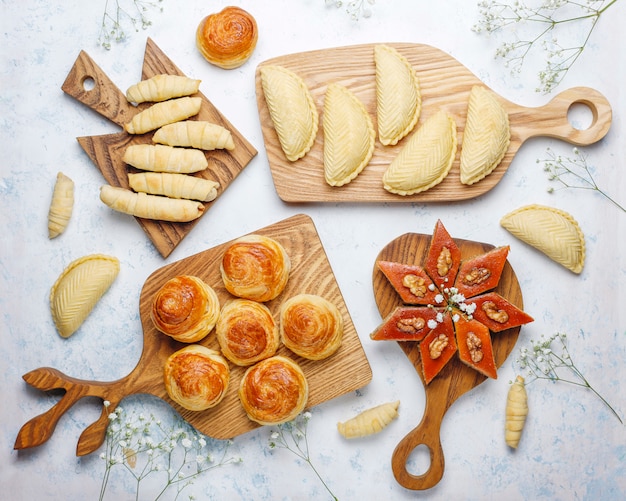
<point x="186" y="443"/>
<point x="432" y="324"/>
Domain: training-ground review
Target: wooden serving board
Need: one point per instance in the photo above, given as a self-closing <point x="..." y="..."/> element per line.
<point x="445" y="84"/>
<point x="346" y="370"/>
<point x="456" y="378"/>
<point x="107" y="151"/>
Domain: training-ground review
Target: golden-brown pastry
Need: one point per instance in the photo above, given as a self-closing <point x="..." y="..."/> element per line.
<point x="274" y="391"/>
<point x="163" y="158"/>
<point x="227" y="38"/>
<point x="196" y="377"/>
<point x="167" y="112"/>
<point x="311" y="326"/>
<point x="61" y="205"/>
<point x="185" y="308"/>
<point x="161" y="88"/>
<point x="255" y="267"/>
<point x="174" y="185"/>
<point x="246" y="332"/>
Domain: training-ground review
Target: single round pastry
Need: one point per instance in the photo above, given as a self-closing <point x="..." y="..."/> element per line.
<point x="273" y="391"/>
<point x="196" y="377"/>
<point x="255" y="267"/>
<point x="311" y="326"/>
<point x="185" y="308"/>
<point x="227" y="38"/>
<point x="246" y="332"/>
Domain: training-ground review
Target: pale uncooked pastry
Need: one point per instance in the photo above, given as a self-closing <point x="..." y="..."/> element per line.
<point x="77" y="290"/>
<point x="61" y="205"/>
<point x="163" y="158"/>
<point x="552" y="231"/>
<point x="426" y="158"/>
<point x="398" y="98"/>
<point x="164" y="113"/>
<point x="486" y="138"/>
<point x="291" y="109"/>
<point x="369" y="421"/>
<point x="161" y="88"/>
<point x="174" y="185"/>
<point x="196" y="134"/>
<point x="349" y="135"/>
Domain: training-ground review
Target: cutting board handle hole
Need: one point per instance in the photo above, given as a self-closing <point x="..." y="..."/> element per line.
<point x="418" y="462"/>
<point x="88" y="83"/>
<point x="581" y="116"/>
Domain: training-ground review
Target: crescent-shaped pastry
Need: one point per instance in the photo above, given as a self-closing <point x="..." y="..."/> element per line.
<point x="274" y="391"/>
<point x="164" y="113"/>
<point x="370" y="421"/>
<point x="185" y="308"/>
<point x="551" y="231"/>
<point x="196" y="377"/>
<point x="292" y="110"/>
<point x="486" y="138"/>
<point x="195" y="134"/>
<point x="227" y="38"/>
<point x="398" y="98"/>
<point x="161" y="88"/>
<point x="163" y="158"/>
<point x="426" y="158"/>
<point x="255" y="267"/>
<point x="174" y="185"/>
<point x="61" y="205"/>
<point x="349" y="135"/>
<point x="311" y="326"/>
<point x="246" y="332"/>
<point x="77" y="290"/>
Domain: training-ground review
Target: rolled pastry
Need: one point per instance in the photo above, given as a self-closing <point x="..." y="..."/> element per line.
<point x="161" y="88"/>
<point x="159" y="114"/>
<point x="227" y="38"/>
<point x="196" y="134"/>
<point x="246" y="332"/>
<point x="196" y="377"/>
<point x="185" y="308"/>
<point x="370" y="421"/>
<point x="163" y="158"/>
<point x="273" y="391"/>
<point x="311" y="326"/>
<point x="61" y="205"/>
<point x="150" y="206"/>
<point x="174" y="185"/>
<point x="255" y="267"/>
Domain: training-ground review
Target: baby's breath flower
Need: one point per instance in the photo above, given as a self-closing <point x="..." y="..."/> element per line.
<point x="356" y="9"/>
<point x="115" y="22"/>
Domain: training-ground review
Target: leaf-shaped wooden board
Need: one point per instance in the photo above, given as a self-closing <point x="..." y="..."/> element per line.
<point x="445" y="84"/>
<point x="456" y="378"/>
<point x="346" y="370"/>
<point x="107" y="151"/>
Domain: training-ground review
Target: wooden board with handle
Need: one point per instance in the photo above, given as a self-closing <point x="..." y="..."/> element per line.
<point x="456" y="378"/>
<point x="445" y="84"/>
<point x="346" y="370"/>
<point x="87" y="83"/>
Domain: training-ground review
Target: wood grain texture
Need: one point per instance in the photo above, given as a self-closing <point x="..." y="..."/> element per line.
<point x="106" y="151"/>
<point x="347" y="370"/>
<point x="456" y="378"/>
<point x="445" y="84"/>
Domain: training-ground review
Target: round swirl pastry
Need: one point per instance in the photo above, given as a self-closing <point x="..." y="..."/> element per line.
<point x="255" y="267"/>
<point x="185" y="308"/>
<point x="196" y="377"/>
<point x="247" y="332"/>
<point x="311" y="326"/>
<point x="227" y="38"/>
<point x="274" y="391"/>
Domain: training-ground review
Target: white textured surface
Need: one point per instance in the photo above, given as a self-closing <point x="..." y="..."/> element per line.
<point x="572" y="447"/>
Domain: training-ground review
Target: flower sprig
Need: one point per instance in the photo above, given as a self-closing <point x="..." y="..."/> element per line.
<point x="542" y="23"/>
<point x="115" y="20"/>
<point x="144" y="446"/>
<point x="356" y="9"/>
<point x="292" y="436"/>
<point x="573" y="172"/>
<point x="554" y="363"/>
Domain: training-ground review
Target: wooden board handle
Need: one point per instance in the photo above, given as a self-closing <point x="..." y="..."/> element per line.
<point x="87" y="83"/>
<point x="552" y="120"/>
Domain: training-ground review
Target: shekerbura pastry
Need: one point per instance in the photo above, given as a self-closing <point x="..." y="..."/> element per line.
<point x="196" y="377"/>
<point x="273" y="391"/>
<point x="185" y="308"/>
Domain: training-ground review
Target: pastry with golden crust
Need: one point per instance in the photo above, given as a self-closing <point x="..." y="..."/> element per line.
<point x="255" y="267"/>
<point x="196" y="377"/>
<point x="185" y="308"/>
<point x="311" y="326"/>
<point x="274" y="391"/>
<point x="246" y="332"/>
<point x="227" y="38"/>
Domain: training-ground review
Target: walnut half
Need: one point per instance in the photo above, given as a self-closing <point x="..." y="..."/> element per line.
<point x="444" y="262"/>
<point x="410" y="325"/>
<point x="492" y="311"/>
<point x="476" y="276"/>
<point x="417" y="285"/>
<point x="437" y="345"/>
<point x="475" y="347"/>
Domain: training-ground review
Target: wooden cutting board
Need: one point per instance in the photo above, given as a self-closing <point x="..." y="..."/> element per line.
<point x="445" y="84"/>
<point x="347" y="370"/>
<point x="87" y="83"/>
<point x="456" y="378"/>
